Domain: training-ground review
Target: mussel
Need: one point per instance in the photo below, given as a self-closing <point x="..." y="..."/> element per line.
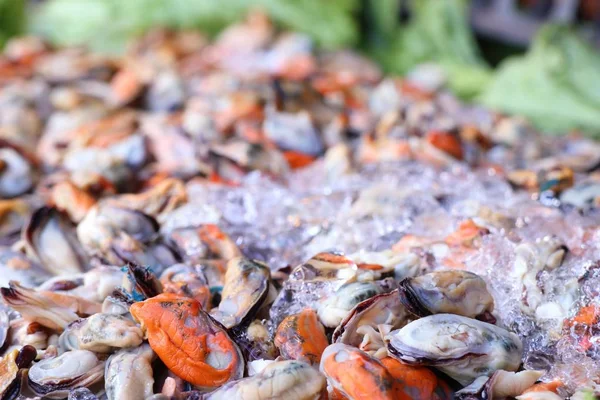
<point x="189" y="342"/>
<point x="140" y="283"/>
<point x="128" y="374"/>
<point x="155" y="202"/>
<point x="205" y="242"/>
<point x="247" y="284"/>
<point x="52" y="310"/>
<point x="356" y="375"/>
<point x="500" y="385"/>
<point x="11" y="365"/>
<point x="105" y="228"/>
<point x="186" y="280"/>
<point x="461" y="347"/>
<point x="418" y="382"/>
<point x="292" y="380"/>
<point x="301" y="337"/>
<point x="370" y="320"/>
<point x="50" y="237"/>
<point x="101" y="333"/>
<point x="53" y="378"/>
<point x="451" y="292"/>
<point x="334" y="308"/>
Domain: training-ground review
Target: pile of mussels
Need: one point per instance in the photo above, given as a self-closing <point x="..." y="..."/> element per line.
<point x="250" y="218"/>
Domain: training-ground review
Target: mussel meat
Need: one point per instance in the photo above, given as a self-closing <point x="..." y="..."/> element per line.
<point x="53" y="378"/>
<point x="190" y="343"/>
<point x="301" y="337"/>
<point x="101" y="333"/>
<point x="128" y="374"/>
<point x="291" y="379"/>
<point x="247" y="284"/>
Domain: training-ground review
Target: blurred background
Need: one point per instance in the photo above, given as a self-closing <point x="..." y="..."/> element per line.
<point x="537" y="58"/>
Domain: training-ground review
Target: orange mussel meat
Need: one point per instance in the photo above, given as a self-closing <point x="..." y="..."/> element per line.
<point x="301" y="337"/>
<point x="190" y="343"/>
<point x="354" y="374"/>
<point x="417" y="382"/>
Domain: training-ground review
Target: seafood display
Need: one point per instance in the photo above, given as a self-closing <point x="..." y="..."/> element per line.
<point x="252" y="217"/>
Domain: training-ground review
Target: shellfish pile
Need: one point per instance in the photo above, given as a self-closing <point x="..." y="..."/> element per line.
<point x="251" y="218"/>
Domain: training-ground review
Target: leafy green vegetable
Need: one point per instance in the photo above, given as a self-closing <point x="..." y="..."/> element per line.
<point x="437" y="32"/>
<point x="12" y="19"/>
<point x="556" y="84"/>
<point x="107" y="25"/>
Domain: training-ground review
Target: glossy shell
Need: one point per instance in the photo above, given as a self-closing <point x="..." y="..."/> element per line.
<point x="370" y="320"/>
<point x="245" y="290"/>
<point x="461" y="347"/>
<point x="337" y="306"/>
<point x="54" y="377"/>
<point x="51" y="238"/>
<point x="451" y="292"/>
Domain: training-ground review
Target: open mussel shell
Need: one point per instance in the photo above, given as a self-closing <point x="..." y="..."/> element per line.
<point x="361" y="328"/>
<point x="247" y="284"/>
<point x="141" y="283"/>
<point x="292" y="380"/>
<point x="50" y="237"/>
<point x="101" y="333"/>
<point x="129" y="374"/>
<point x="53" y="378"/>
<point x="188" y="281"/>
<point x="11" y="367"/>
<point x="190" y="343"/>
<point x="451" y="292"/>
<point x="338" y="305"/>
<point x="461" y="347"/>
<point x="38" y="307"/>
<point x="204" y="242"/>
<point x="500" y="385"/>
<point x="105" y="223"/>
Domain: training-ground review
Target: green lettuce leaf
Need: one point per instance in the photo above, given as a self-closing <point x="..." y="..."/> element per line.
<point x="12" y="19"/>
<point x="438" y="32"/>
<point x="556" y="84"/>
<point x="107" y="25"/>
